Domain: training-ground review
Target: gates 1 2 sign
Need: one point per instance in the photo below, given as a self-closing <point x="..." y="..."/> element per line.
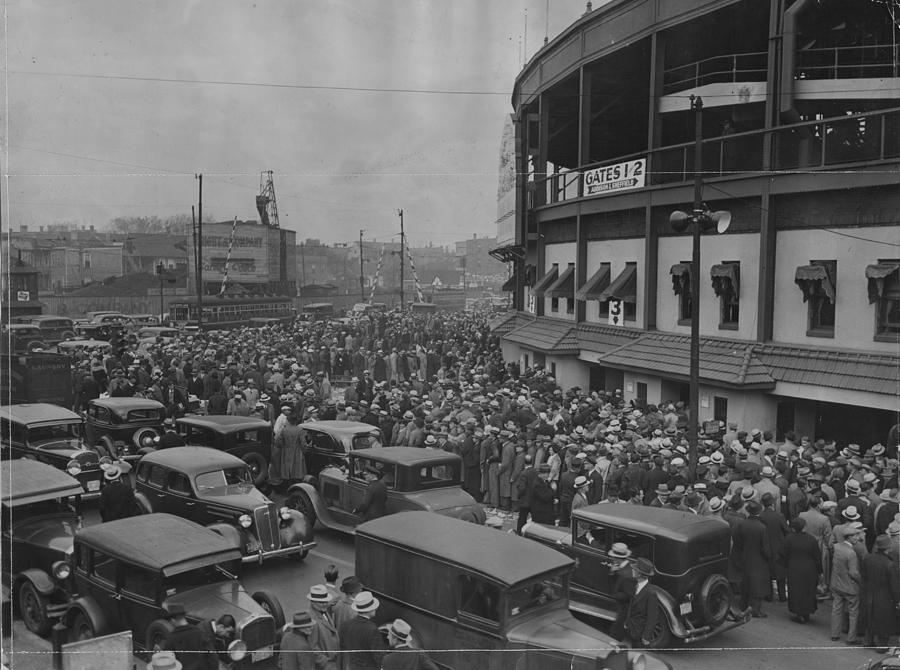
<point x="619" y="177"/>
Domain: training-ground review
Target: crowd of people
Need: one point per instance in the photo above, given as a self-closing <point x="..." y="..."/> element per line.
<point x="810" y="519"/>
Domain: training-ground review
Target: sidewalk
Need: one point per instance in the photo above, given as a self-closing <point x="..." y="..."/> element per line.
<point x="27" y="651"/>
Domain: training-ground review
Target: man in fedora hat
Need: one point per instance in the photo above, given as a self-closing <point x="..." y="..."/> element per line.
<point x="750" y="546"/>
<point x="846" y="582"/>
<point x="193" y="647"/>
<point x="360" y="638"/>
<point x="644" y="611"/>
<point x="324" y="637"/>
<point x="296" y="646"/>
<point x="662" y="496"/>
<point x="622" y="583"/>
<point x="117" y="499"/>
<point x="343" y="607"/>
<point x="403" y="656"/>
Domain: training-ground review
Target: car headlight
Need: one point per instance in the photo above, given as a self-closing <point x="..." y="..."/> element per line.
<point x="245" y="521"/>
<point x="237" y="650"/>
<point x="285" y="513"/>
<point x="105" y="462"/>
<point x="61" y="570"/>
<point x="73" y="467"/>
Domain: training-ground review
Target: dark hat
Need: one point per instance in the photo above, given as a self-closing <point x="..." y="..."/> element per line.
<point x="175" y="609"/>
<point x="753" y="508"/>
<point x="301" y="620"/>
<point x="882" y="543"/>
<point x="644" y="567"/>
<point x="351" y="585"/>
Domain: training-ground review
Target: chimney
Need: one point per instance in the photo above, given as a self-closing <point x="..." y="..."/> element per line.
<point x="589" y="8"/>
<point x="91" y="228"/>
<point x="41" y="229"/>
<point x="23" y="229"/>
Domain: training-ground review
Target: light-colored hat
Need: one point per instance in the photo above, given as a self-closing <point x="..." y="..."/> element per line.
<point x="164" y="660"/>
<point x="619" y="550"/>
<point x="365" y="602"/>
<point x="112" y="472"/>
<point x="318" y="593"/>
<point x="716" y="503"/>
<point x="400" y="630"/>
<point x="581" y="481"/>
<point x="748" y="492"/>
<point x="851" y="513"/>
<point x="430" y="440"/>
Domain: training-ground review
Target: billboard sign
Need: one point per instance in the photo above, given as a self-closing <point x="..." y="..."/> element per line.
<point x="615" y="178"/>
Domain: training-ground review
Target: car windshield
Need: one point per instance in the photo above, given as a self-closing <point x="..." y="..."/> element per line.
<point x="366" y="441"/>
<point x="536" y="595"/>
<point x="185" y="581"/>
<point x="59" y="431"/>
<point x="33" y="517"/>
<point x="218" y="479"/>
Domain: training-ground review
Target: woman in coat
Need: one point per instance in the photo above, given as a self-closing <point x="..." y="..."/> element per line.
<point x="800" y="556"/>
<point x="288" y="453"/>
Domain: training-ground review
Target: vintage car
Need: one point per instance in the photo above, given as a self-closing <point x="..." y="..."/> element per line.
<point x="689" y="552"/>
<point x="70" y="346"/>
<point x="889" y="662"/>
<point x="50" y="434"/>
<point x="143" y="320"/>
<point x="215" y="489"/>
<point x="248" y="438"/>
<point x="39" y="523"/>
<point x="331" y="441"/>
<point x="20" y="338"/>
<point x="124" y="428"/>
<point x="99" y="331"/>
<point x="417" y="479"/>
<point x="128" y="571"/>
<point x="481" y="598"/>
<point x="157" y="333"/>
<point x="53" y="328"/>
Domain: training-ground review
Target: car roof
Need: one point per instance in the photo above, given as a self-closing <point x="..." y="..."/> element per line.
<point x="502" y="557"/>
<point x="406" y="455"/>
<point x="160" y="542"/>
<point x="224" y="423"/>
<point x="668" y="523"/>
<point x="128" y="403"/>
<point x="340" y="427"/>
<point x="26" y="481"/>
<point x="38" y="413"/>
<point x="192" y="460"/>
<point x="48" y="317"/>
<point x="21" y="326"/>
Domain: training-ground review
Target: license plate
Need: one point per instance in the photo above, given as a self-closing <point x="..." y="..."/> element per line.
<point x="261" y="654"/>
<point x="686" y="608"/>
<point x="94" y="485"/>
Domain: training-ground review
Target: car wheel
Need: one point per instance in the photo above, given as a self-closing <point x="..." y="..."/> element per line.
<point x="714" y="600"/>
<point x="140" y="434"/>
<point x="268" y="601"/>
<point x="35" y="345"/>
<point x="33" y="609"/>
<point x="259" y="468"/>
<point x="157" y="632"/>
<point x="301" y="502"/>
<point x="661" y="637"/>
<point x="68" y="335"/>
<point x="82" y="627"/>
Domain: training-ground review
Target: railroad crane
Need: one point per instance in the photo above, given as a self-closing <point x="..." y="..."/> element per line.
<point x="265" y="201"/>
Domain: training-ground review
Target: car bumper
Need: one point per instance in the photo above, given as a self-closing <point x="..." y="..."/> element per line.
<point x="260" y="556"/>
<point x="733" y="620"/>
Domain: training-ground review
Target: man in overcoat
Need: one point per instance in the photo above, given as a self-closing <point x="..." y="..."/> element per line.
<point x="750" y="546"/>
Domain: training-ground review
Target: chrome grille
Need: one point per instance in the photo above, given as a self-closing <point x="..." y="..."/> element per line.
<point x="265" y="518"/>
<point x="258" y="631"/>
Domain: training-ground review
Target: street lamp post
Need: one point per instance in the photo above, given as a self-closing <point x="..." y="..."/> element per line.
<point x="700" y="220"/>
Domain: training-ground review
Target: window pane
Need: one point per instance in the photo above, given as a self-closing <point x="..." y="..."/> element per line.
<point x="479" y="598"/>
<point x="104" y="567"/>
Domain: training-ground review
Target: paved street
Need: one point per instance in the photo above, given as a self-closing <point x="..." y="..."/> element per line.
<point x="774" y="642"/>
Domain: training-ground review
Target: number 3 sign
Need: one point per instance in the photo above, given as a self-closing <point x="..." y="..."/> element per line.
<point x="616" y="312"/>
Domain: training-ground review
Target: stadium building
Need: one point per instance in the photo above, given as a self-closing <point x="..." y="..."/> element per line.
<point x="800" y="143"/>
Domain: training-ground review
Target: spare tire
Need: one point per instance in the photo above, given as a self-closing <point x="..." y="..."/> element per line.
<point x="714" y="600"/>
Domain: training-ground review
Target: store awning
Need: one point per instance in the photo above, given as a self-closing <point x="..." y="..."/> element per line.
<point x="594" y="286"/>
<point x="545" y="282"/>
<point x="726" y="279"/>
<point x="510" y="284"/>
<point x="623" y="287"/>
<point x="564" y="286"/>
<point x="877" y="274"/>
<point x="814" y="279"/>
<point x="681" y="278"/>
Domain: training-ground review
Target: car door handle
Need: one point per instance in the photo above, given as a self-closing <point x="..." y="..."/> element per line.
<point x="190" y="504"/>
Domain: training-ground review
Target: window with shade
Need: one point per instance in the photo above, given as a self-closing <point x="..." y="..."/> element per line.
<point x="726" y="283"/>
<point x="818" y="284"/>
<point x="883" y="280"/>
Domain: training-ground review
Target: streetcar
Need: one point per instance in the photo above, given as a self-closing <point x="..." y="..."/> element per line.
<point x="224" y="312"/>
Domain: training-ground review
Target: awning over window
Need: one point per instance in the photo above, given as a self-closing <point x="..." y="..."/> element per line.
<point x="681" y="278"/>
<point x="623" y="287"/>
<point x="726" y="279"/>
<point x="508" y="253"/>
<point x="564" y="287"/>
<point x="545" y="282"/>
<point x="594" y="286"/>
<point x="814" y="279"/>
<point x="877" y="275"/>
<point x="510" y="284"/>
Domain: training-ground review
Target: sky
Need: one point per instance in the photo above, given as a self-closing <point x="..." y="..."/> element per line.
<point x="359" y="107"/>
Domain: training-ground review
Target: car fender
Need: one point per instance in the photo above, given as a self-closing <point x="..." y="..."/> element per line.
<point x="143" y="502"/>
<point x="92" y="610"/>
<point x="229" y="532"/>
<point x="41" y="580"/>
<point x="318" y="505"/>
<point x="670" y="607"/>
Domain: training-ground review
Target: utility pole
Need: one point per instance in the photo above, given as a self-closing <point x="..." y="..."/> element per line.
<point x="303" y="263"/>
<point x="200" y="254"/>
<point x="362" y="293"/>
<point x="402" y="251"/>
